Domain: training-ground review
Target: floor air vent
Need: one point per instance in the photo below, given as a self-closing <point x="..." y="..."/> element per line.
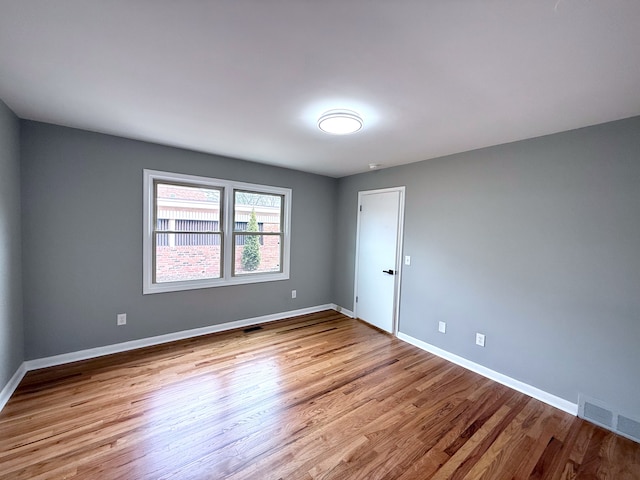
<point x="599" y="413"/>
<point x="252" y="329"/>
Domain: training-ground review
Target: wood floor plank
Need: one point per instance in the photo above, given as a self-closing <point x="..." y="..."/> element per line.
<point x="318" y="396"/>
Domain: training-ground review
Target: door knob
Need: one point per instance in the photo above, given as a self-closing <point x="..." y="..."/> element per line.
<point x="390" y="272"/>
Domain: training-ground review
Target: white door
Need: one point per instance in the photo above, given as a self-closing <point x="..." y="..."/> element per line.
<point x="377" y="258"/>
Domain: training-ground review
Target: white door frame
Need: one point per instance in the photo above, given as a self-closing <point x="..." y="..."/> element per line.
<point x="399" y="249"/>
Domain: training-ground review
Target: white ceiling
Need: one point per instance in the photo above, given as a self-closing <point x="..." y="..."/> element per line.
<point x="249" y="78"/>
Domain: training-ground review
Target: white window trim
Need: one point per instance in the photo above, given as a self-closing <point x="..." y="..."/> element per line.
<point x="150" y="176"/>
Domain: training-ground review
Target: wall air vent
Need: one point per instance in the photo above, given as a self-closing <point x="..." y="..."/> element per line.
<point x="629" y="428"/>
<point x="596" y="411"/>
<point x="598" y="415"/>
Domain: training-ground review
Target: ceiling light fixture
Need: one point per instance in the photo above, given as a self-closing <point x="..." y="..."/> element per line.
<point x="340" y="122"/>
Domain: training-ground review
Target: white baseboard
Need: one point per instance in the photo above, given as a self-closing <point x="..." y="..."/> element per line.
<point x="342" y="310"/>
<point x="12" y="384"/>
<point x="521" y="387"/>
<point x="169" y="337"/>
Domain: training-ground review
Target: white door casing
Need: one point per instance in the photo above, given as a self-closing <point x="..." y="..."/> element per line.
<point x="378" y="250"/>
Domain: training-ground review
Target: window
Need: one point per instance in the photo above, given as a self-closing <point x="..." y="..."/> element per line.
<point x="256" y="249"/>
<point x="203" y="232"/>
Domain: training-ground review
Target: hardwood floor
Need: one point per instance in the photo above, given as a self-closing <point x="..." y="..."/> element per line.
<point x="315" y="397"/>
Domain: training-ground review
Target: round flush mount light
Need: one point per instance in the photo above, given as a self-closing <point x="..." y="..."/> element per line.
<point x="340" y="122"/>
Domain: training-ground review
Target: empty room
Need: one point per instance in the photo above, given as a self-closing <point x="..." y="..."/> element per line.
<point x="282" y="239"/>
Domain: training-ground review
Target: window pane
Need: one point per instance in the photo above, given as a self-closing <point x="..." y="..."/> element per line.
<point x="188" y="208"/>
<point x="196" y="261"/>
<point x="265" y="207"/>
<point x="252" y="256"/>
<point x="190" y="255"/>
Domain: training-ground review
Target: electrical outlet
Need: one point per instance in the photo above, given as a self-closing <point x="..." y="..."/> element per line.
<point x="442" y="327"/>
<point x="122" y="319"/>
<point x="407" y="260"/>
<point x="480" y="339"/>
<point x="294" y="293"/>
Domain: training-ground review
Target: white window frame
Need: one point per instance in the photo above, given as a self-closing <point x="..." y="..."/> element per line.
<point x="226" y="223"/>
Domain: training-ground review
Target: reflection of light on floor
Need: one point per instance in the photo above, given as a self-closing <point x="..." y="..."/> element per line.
<point x="262" y="374"/>
<point x="186" y="418"/>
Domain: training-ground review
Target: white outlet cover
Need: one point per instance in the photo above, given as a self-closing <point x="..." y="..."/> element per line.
<point x="480" y="339"/>
<point x="122" y="319"/>
<point x="294" y="293"/>
<point x="407" y="260"/>
<point x="442" y="327"/>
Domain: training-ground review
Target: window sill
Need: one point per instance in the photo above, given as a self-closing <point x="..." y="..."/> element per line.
<point x="150" y="288"/>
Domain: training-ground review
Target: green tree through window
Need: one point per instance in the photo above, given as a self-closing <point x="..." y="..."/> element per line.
<point x="251" y="251"/>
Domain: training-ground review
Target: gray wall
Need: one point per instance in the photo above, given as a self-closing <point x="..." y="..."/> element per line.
<point x="82" y="232"/>
<point x="534" y="243"/>
<point x="11" y="330"/>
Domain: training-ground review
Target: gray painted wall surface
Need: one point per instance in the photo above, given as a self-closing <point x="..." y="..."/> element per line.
<point x="11" y="328"/>
<point x="82" y="233"/>
<point x="534" y="243"/>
